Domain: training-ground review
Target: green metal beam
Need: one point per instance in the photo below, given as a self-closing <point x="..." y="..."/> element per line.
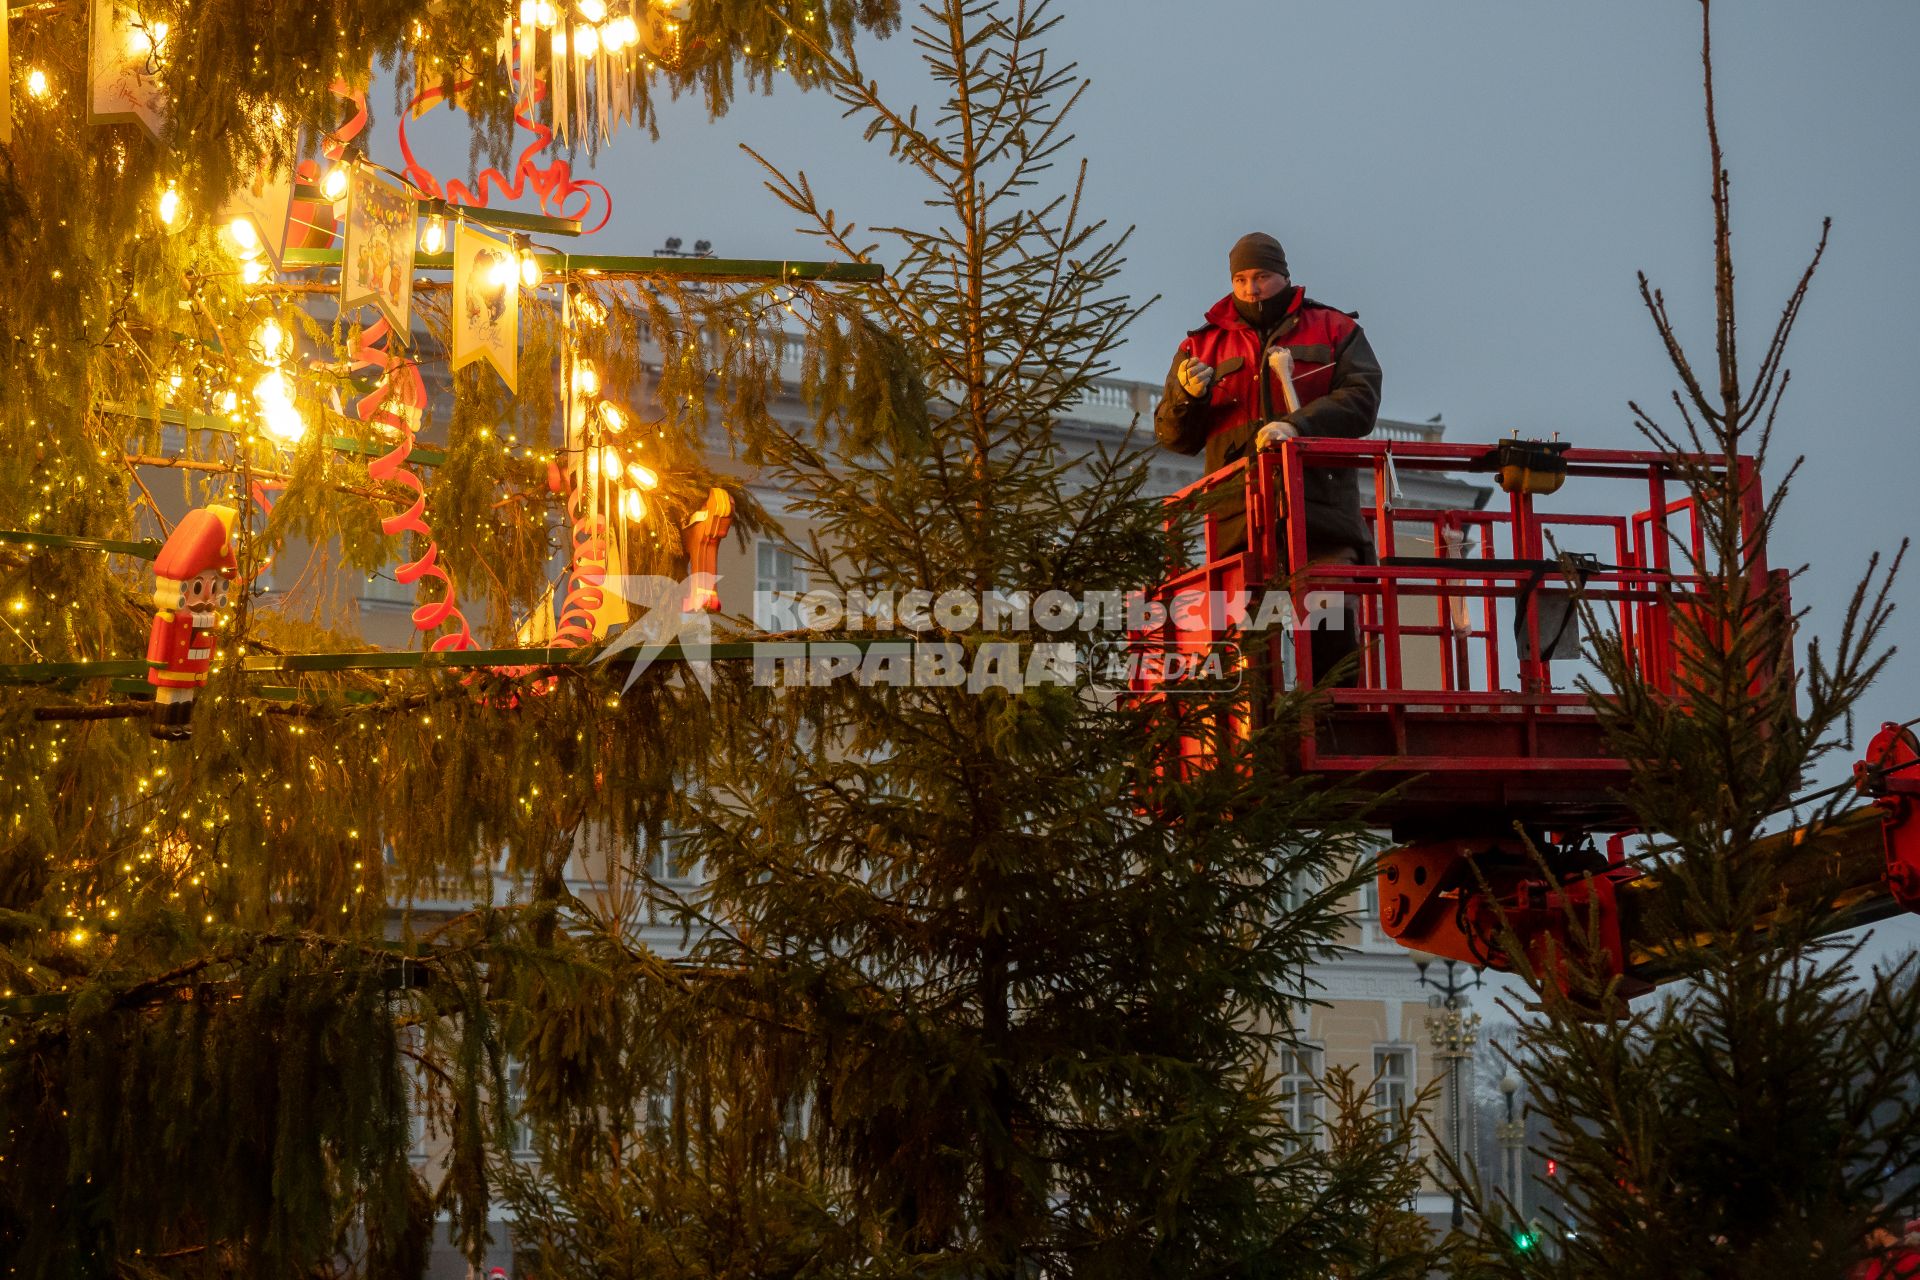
<point x="413" y="660"/>
<point x="432" y="206"/>
<point x="506" y="219"/>
<point x="210" y="422"/>
<point x="679" y="268"/>
<point x="146" y="549"/>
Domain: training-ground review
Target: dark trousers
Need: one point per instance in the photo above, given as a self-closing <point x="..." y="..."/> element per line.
<point x="1330" y="644"/>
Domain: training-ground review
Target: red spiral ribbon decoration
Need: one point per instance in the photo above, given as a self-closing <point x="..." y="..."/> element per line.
<point x="554" y="183"/>
<point x="586" y="575"/>
<point x="400" y="381"/>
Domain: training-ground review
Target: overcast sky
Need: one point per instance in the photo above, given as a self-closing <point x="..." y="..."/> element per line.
<point x="1480" y="179"/>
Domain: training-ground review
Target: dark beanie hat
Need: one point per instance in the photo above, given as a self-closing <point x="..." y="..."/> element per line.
<point x="1257" y="251"/>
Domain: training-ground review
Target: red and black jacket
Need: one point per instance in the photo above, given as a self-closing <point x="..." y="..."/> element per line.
<point x="1338" y="381"/>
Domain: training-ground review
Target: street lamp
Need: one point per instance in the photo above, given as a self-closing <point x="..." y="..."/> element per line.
<point x="1454" y="1033"/>
<point x="1513" y="1135"/>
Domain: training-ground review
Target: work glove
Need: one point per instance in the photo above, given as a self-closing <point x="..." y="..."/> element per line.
<point x="1195" y="379"/>
<point x="1273" y="433"/>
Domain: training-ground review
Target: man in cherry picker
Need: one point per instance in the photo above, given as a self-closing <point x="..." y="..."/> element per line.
<point x="1228" y="392"/>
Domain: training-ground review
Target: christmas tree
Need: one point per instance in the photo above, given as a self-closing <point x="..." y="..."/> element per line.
<point x="968" y="986"/>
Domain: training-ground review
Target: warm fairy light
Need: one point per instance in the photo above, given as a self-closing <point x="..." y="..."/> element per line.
<point x="169" y="208"/>
<point x="589" y="310"/>
<point x="271" y="343"/>
<point x="78" y="937"/>
<point x="586" y="41"/>
<point x="623" y="32"/>
<point x="612" y="419"/>
<point x="632" y="506"/>
<point x="36" y="83"/>
<point x="593" y="10"/>
<point x="229" y="402"/>
<point x="529" y="270"/>
<point x="252" y="271"/>
<point x="543" y="14"/>
<point x="334" y="185"/>
<point x="586" y="379"/>
<point x="275" y="397"/>
<point x="245" y="239"/>
<point x="645" y="477"/>
<point x="434" y="238"/>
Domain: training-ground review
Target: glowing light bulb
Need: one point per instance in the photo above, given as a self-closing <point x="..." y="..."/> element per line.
<point x="272" y="389"/>
<point x="434" y="238"/>
<point x="527" y="12"/>
<point x="252" y="271"/>
<point x="334" y="185"/>
<point x="505" y="272"/>
<point x="586" y="41"/>
<point x="543" y="14"/>
<point x="612" y="419"/>
<point x="36" y="83"/>
<point x="632" y="506"/>
<point x="284" y="422"/>
<point x="643" y="476"/>
<point x="169" y="200"/>
<point x="529" y="270"/>
<point x="627" y="30"/>
<point x="229" y="402"/>
<point x="586" y="379"/>
<point x="610" y="462"/>
<point x="246" y="240"/>
<point x="271" y="343"/>
<point x="593" y="10"/>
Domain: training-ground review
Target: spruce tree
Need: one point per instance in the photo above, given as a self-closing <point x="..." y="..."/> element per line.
<point x="973" y="988"/>
<point x="1759" y="1118"/>
<point x="217" y="1003"/>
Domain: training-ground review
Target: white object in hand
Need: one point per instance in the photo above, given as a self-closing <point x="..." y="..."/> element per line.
<point x="1273" y="433"/>
<point x="1280" y="360"/>
<point x="1196" y="379"/>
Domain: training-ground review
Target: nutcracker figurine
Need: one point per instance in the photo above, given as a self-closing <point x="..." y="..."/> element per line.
<point x="191" y="578"/>
<point x="702" y="537"/>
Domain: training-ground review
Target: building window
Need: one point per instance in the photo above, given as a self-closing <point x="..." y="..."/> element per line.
<point x="520" y="1130"/>
<point x="665" y="857"/>
<point x="1296" y="890"/>
<point x="1392" y="1086"/>
<point x="1300" y="1094"/>
<point x="778" y="583"/>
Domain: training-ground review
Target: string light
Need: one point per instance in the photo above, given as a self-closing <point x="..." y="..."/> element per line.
<point x="434" y="238"/>
<point x="611" y="418"/>
<point x="632" y="507"/>
<point x="245" y="239"/>
<point x="529" y="269"/>
<point x="593" y="10"/>
<point x="36" y="83"/>
<point x="334" y="185"/>
<point x="169" y="206"/>
<point x="586" y="379"/>
<point x="271" y="343"/>
<point x="643" y="476"/>
<point x="275" y="398"/>
<point x="586" y="41"/>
